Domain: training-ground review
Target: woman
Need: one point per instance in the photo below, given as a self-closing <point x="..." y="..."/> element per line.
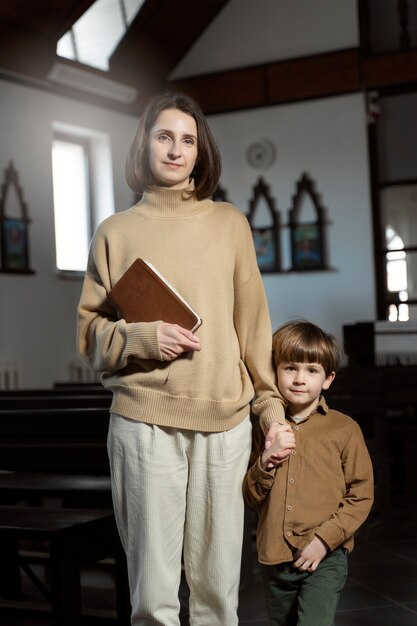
<point x="180" y="433"/>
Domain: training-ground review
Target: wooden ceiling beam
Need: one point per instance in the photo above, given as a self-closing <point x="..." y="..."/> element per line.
<point x="388" y="70"/>
<point x="276" y="83"/>
<point x="226" y="91"/>
<point x="316" y="76"/>
<point x="46" y="17"/>
<point x="29" y="33"/>
<point x="162" y="33"/>
<point x="25" y="52"/>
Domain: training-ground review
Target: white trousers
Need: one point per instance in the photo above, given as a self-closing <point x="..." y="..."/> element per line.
<point x="178" y="490"/>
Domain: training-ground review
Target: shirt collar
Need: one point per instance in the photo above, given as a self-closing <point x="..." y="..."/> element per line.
<point x="321" y="408"/>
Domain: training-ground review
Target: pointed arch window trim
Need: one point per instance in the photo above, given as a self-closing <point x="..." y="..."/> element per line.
<point x="308" y="239"/>
<point x="14" y="235"/>
<point x="266" y="239"/>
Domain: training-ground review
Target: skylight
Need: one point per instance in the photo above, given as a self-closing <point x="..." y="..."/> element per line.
<point x="96" y="34"/>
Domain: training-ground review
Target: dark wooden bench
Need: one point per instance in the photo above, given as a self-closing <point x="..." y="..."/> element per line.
<point x="63" y="390"/>
<point x="362" y="397"/>
<point x="78" y="385"/>
<point x="54" y="401"/>
<point x="74" y="538"/>
<point x="66" y="490"/>
<point x="57" y="454"/>
<point x="54" y="440"/>
<point x="384" y="401"/>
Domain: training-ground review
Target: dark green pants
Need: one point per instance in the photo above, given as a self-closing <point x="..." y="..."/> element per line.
<point x="296" y="598"/>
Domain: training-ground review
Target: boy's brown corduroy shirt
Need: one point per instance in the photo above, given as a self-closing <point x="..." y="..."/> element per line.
<point x="325" y="488"/>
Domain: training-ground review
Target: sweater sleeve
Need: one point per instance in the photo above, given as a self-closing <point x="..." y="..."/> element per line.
<point x="355" y="506"/>
<point x="104" y="341"/>
<point x="257" y="482"/>
<point x="253" y="326"/>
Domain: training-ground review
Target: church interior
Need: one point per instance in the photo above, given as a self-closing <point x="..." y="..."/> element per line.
<point x="313" y="106"/>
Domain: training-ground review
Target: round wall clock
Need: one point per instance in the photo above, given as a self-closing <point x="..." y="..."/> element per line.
<point x="261" y="154"/>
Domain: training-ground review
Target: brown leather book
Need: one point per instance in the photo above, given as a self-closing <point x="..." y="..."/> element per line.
<point x="142" y="294"/>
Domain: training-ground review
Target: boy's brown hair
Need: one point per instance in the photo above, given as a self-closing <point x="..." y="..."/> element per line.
<point x="206" y="172"/>
<point x="300" y="341"/>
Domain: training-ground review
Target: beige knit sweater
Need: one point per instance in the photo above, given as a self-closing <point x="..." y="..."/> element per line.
<point x="205" y="250"/>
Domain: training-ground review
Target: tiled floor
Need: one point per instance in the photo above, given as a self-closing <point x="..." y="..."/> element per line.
<point x="381" y="588"/>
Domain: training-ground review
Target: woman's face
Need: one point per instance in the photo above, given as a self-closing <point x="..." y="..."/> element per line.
<point x="173" y="148"/>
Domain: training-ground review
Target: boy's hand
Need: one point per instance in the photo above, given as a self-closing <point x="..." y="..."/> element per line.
<point x="307" y="560"/>
<point x="280" y="449"/>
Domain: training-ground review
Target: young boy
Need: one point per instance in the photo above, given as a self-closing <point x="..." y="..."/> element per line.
<point x="315" y="489"/>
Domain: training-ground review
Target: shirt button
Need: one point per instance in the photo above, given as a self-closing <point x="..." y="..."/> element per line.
<point x="288" y="533"/>
<point x="296" y="428"/>
<point x="293" y="452"/>
<point x="289" y="507"/>
<point x="291" y="480"/>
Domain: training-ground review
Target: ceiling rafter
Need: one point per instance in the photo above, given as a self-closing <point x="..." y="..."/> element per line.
<point x="162" y="33"/>
<point x="51" y="18"/>
<point x="159" y="37"/>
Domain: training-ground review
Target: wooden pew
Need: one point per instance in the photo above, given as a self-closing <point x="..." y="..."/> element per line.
<point x="74" y="538"/>
<point x="78" y="385"/>
<point x="43" y="448"/>
<point x="384" y="402"/>
<point x="73" y="390"/>
<point x="362" y="398"/>
<point x="54" y="401"/>
<point x="57" y="453"/>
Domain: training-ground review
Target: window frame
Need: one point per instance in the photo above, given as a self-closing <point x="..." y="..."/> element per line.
<point x="384" y="297"/>
<point x="85" y="143"/>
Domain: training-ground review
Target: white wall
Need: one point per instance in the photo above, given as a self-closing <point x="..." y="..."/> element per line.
<point x="38" y="312"/>
<point x="249" y="32"/>
<point x="327" y="139"/>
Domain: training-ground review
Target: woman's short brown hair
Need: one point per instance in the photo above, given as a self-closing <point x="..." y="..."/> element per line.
<point x="300" y="341"/>
<point x="206" y="172"/>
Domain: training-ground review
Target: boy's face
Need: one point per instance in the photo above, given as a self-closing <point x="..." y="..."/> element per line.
<point x="301" y="385"/>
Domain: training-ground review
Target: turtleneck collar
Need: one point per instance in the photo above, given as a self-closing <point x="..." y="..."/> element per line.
<point x="164" y="202"/>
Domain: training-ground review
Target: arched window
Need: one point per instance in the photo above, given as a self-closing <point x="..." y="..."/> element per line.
<point x="396" y="268"/>
<point x="95" y="35"/>
<point x="393" y="158"/>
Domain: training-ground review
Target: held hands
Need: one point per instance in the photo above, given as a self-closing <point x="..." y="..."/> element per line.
<point x="307" y="560"/>
<point x="279" y="442"/>
<point x="174" y="340"/>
